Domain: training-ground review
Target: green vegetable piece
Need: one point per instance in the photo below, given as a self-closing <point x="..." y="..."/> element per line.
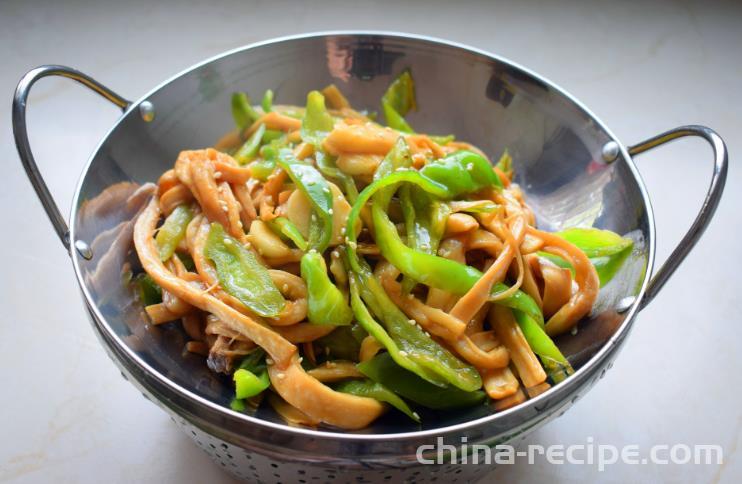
<point x="248" y="384"/>
<point x="428" y="269"/>
<point x="400" y="94"/>
<point x="149" y="291"/>
<point x="607" y="266"/>
<point x="372" y="327"/>
<point x="287" y="229"/>
<point x="241" y="274"/>
<point x="237" y="405"/>
<point x="273" y="134"/>
<point x="327" y="166"/>
<point x="556" y="365"/>
<point x="377" y="391"/>
<point x="172" y="231"/>
<point x="247" y="152"/>
<point x="315" y="187"/>
<point x="326" y="304"/>
<point x="596" y="242"/>
<point x="408" y="344"/>
<point x="187" y="261"/>
<point x="398" y="100"/>
<point x="606" y="250"/>
<point x="462" y="172"/>
<point x="443" y="140"/>
<point x="267" y="102"/>
<point x="342" y="343"/>
<point x="395" y="120"/>
<point x="431" y="269"/>
<point x="262" y="169"/>
<point x="398" y="158"/>
<point x="242" y="111"/>
<point x="254" y="361"/>
<point x="317" y="121"/>
<point x="384" y="370"/>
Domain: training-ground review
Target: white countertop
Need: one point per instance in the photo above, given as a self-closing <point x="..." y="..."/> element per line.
<point x="643" y="67"/>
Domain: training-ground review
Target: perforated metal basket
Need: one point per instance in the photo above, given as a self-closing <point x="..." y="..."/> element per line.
<point x="572" y="169"/>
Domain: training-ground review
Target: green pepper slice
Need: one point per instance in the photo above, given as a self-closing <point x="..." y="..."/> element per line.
<point x="247" y="152"/>
<point x="326" y="304"/>
<point x="383" y="369"/>
<point x="241" y="274"/>
<point x="377" y="391"/>
<point x="242" y="111"/>
<point x="315" y="187"/>
<point x="172" y="231"/>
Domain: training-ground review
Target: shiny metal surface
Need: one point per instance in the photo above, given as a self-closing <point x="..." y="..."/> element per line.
<point x="21" y="135"/>
<point x="557" y="146"/>
<point x="716" y="187"/>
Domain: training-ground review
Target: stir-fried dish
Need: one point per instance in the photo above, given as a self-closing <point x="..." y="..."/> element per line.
<point x="336" y="268"/>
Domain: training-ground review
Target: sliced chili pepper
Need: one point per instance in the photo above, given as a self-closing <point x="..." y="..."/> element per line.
<point x="383" y="369"/>
<point x="377" y="391"/>
<point x="241" y="274"/>
<point x="326" y="304"/>
<point x="173" y="230"/>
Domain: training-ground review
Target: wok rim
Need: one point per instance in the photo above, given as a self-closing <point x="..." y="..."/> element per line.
<point x="566" y="387"/>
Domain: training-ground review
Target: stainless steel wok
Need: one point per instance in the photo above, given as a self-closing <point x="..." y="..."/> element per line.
<point x="572" y="168"/>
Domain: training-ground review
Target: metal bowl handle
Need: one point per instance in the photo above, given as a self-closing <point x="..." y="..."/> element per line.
<point x="705" y="214"/>
<point x="21" y="135"/>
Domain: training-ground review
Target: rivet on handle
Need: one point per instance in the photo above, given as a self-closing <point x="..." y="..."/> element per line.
<point x="83" y="249"/>
<point x="610" y="151"/>
<point x="147" y="111"/>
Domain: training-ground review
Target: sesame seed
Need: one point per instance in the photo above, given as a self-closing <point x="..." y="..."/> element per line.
<point x="301" y="358"/>
<point x="269" y="361"/>
<point x="411" y="321"/>
<point x="226" y="241"/>
<point x="285" y="288"/>
<point x="248" y="244"/>
<point x="403" y="353"/>
<point x="239" y="224"/>
<point x="470" y="166"/>
<point x="352" y="245"/>
<point x="330" y="211"/>
<point x="326" y="189"/>
<point x="414" y="414"/>
<point x="335" y="254"/>
<point x="281" y="376"/>
<point x="217" y="174"/>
